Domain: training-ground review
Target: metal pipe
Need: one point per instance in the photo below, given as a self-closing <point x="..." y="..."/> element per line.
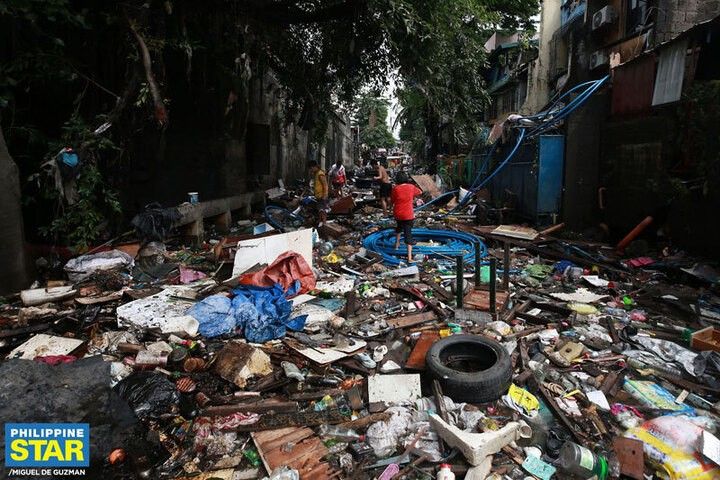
<point x="459" y="282"/>
<point x="477" y="266"/>
<point x="493" y="285"/>
<point x="506" y="267"/>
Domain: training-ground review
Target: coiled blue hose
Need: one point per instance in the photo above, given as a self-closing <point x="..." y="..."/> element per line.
<point x="449" y="244"/>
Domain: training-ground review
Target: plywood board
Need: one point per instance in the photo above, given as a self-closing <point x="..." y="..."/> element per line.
<point x="266" y="249"/>
<point x="296" y="447"/>
<point x="516" y="231"/>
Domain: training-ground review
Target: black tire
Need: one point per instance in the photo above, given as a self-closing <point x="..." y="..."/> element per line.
<point x="470" y="368"/>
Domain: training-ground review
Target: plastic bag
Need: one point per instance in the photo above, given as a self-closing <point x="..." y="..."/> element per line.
<point x="82" y="267"/>
<point x="670" y="444"/>
<point x="148" y="394"/>
<point x="384" y="436"/>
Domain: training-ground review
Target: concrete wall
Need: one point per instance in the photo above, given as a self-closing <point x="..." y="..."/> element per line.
<point x="249" y="149"/>
<point x="539" y="70"/>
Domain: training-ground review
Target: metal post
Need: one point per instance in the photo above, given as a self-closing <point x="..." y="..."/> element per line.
<point x="506" y="267"/>
<point x="493" y="285"/>
<point x="459" y="282"/>
<point x="477" y="266"/>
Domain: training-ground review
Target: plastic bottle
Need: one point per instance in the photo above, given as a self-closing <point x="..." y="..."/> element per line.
<point x="445" y="473"/>
<point x="581" y="462"/>
<point x="339" y="433"/>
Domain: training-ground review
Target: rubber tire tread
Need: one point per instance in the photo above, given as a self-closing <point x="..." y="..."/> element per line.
<point x="471" y="387"/>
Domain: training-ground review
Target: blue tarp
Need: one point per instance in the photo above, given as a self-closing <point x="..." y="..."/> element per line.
<point x="260" y="313"/>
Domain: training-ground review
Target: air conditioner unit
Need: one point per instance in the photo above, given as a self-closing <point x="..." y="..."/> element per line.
<point x="599" y="59"/>
<point x="604" y="16"/>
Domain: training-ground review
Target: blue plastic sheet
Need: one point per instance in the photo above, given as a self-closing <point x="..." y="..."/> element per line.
<point x="260" y="313"/>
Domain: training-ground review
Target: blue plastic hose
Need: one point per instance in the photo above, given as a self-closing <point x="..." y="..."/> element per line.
<point x="448" y="244"/>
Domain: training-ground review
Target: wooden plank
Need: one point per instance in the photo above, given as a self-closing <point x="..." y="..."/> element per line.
<point x="293" y="419"/>
<point x="297" y="448"/>
<point x="416" y="360"/>
<point x="480" y="300"/>
<point x="411" y="320"/>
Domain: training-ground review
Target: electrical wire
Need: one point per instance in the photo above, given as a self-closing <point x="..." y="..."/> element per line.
<point x="546" y="124"/>
<point x="445" y="243"/>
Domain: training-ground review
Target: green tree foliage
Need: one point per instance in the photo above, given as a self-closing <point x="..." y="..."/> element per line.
<point x="370" y="115"/>
<point x="441" y="76"/>
<point x="133" y="55"/>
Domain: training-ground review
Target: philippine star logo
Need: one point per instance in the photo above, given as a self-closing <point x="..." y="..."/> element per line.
<point x="47" y="448"/>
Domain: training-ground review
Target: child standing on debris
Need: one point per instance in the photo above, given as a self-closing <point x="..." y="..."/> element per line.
<point x="320" y="188"/>
<point x="385" y="185"/>
<point x="402" y="197"/>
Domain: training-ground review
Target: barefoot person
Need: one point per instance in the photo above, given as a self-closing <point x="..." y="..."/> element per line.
<point x="385" y="185"/>
<point x="403" y="195"/>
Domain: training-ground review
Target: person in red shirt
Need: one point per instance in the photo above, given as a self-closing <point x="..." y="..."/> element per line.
<point x="402" y="198"/>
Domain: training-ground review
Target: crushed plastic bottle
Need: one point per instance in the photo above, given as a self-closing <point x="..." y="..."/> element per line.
<point x="340" y="433"/>
<point x="445" y="473"/>
<point x="284" y="473"/>
<point x="252" y="456"/>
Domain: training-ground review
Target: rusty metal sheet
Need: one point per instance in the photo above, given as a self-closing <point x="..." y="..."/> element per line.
<point x="416" y="360"/>
<point x="631" y="457"/>
<point x="633" y="83"/>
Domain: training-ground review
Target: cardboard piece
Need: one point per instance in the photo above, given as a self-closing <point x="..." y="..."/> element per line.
<point x="266" y="249"/>
<point x="394" y="388"/>
<point x="324" y="356"/>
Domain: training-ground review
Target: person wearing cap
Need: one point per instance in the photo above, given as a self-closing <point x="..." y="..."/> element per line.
<point x="402" y="197"/>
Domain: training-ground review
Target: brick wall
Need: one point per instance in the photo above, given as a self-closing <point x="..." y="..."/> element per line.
<point x="676" y="16"/>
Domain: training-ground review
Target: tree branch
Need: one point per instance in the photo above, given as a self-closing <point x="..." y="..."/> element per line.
<point x="161" y="114"/>
<point x="291" y="14"/>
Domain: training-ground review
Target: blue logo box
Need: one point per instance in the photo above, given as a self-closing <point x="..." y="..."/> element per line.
<point x="47" y="444"/>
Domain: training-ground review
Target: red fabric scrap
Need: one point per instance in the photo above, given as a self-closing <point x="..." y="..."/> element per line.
<point x="55" y="359"/>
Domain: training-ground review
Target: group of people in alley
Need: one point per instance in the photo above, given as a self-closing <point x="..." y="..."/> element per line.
<point x="400" y="197"/>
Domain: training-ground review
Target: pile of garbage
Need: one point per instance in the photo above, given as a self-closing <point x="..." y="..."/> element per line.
<point x="285" y="352"/>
